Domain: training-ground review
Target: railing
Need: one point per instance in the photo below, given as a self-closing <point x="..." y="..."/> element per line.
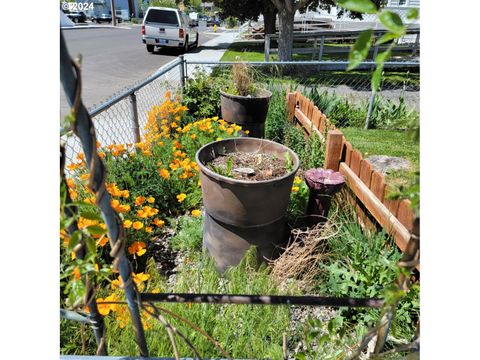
<point x="346" y="37"/>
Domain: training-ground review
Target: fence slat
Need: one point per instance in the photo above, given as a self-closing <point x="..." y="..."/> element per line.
<point x="348" y="152"/>
<point x="333" y="149"/>
<point x="377" y="185"/>
<point x="310" y="109"/>
<point x="291" y="104"/>
<point x="392" y="205"/>
<point x="366" y="172"/>
<point x="323" y="123"/>
<point x="316" y="114"/>
<point x="355" y="161"/>
<point x="405" y="214"/>
<point x="305" y="123"/>
<point x="379" y="211"/>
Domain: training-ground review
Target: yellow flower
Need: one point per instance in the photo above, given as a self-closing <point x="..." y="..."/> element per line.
<point x="164" y="174"/>
<point x="102" y="241"/>
<point x="297" y="180"/>
<point x="181" y="197"/>
<point x="156" y="291"/>
<point x="193" y="136"/>
<point x="295" y="188"/>
<point x="158" y="222"/>
<point x="140" y="277"/>
<point x="196" y="213"/>
<point x="139" y="200"/>
<point x="137" y="248"/>
<point x="137" y="225"/>
<point x="127" y="224"/>
<point x="149" y="229"/>
<point x="151" y="200"/>
<point x="76" y="273"/>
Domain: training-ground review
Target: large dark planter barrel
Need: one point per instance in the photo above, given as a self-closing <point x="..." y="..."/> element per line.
<point x="241" y="213"/>
<point x="249" y="112"/>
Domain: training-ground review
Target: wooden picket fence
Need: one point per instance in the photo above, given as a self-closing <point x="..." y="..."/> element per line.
<point x="367" y="189"/>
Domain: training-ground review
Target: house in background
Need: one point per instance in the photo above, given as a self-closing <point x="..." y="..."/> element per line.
<point x="127" y="8"/>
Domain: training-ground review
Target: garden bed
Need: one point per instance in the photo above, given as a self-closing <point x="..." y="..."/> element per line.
<point x="154" y="186"/>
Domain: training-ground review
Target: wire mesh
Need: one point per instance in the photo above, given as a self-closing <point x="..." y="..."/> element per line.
<point x="343" y="95"/>
<point x="115" y="124"/>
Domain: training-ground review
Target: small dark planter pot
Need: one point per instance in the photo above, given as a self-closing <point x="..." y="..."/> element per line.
<point x="323" y="184"/>
<point x="241" y="213"/>
<point x="249" y="112"/>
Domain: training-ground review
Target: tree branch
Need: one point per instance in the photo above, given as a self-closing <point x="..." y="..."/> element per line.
<point x="301" y="4"/>
<point x="277" y="4"/>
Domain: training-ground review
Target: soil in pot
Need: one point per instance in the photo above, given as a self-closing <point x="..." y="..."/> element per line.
<point x="251" y="166"/>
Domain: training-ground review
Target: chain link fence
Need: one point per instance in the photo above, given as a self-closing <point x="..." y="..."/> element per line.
<point x="122" y="118"/>
<point x="345" y="97"/>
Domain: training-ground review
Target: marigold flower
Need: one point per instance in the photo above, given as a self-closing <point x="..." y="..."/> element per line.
<point x="155" y="291"/>
<point x="84" y="176"/>
<point x="193" y="136"/>
<point x="137" y="225"/>
<point x="196" y="213"/>
<point x="151" y="200"/>
<point x="181" y="197"/>
<point x="295" y="188"/>
<point x="297" y="180"/>
<point x="127" y="224"/>
<point x="149" y="229"/>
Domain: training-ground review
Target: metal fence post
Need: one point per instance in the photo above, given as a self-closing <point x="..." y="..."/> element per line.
<point x="134" y="111"/>
<point x="267" y="47"/>
<point x="182" y="71"/>
<point x="370" y="109"/>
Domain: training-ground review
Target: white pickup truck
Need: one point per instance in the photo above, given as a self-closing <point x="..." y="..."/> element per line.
<point x="167" y="27"/>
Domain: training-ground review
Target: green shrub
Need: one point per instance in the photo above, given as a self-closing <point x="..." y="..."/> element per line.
<point x="201" y="95"/>
<point x="189" y="234"/>
<point x="231" y="22"/>
<point x="366" y="266"/>
<point x="276" y="122"/>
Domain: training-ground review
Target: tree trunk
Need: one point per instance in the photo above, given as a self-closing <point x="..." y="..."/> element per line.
<point x="285" y="41"/>
<point x="269" y="19"/>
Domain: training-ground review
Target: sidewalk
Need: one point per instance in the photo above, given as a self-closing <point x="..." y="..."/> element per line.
<point x="213" y="49"/>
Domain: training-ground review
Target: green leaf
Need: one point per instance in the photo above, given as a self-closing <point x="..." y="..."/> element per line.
<point x="383" y="56"/>
<point x="300" y="356"/>
<point x="66" y="222"/>
<point x="392" y="22"/>
<point x="91" y="245"/>
<point x="387" y="37"/>
<point x="90" y="215"/>
<point x="376" y="77"/>
<point x="359" y="50"/>
<point x="74" y="240"/>
<point x="63" y="193"/>
<point x="412" y="14"/>
<point x="96" y="230"/>
<point x="361" y="6"/>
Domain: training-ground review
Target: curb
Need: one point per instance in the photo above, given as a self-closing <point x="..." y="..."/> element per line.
<point x="78" y="27"/>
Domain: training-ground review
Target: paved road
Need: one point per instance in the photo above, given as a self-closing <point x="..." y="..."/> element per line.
<point x="113" y="59"/>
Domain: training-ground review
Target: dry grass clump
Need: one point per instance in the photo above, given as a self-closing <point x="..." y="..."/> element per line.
<point x="301" y="258"/>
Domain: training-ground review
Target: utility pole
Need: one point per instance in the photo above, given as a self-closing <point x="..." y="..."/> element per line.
<point x="114" y="19"/>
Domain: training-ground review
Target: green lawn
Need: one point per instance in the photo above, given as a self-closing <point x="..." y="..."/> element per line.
<point x="387" y="142"/>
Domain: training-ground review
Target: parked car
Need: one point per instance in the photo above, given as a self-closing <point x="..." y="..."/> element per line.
<point x="76" y="16"/>
<point x="167" y="27"/>
<point x="213" y="21"/>
<point x="104" y="17"/>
